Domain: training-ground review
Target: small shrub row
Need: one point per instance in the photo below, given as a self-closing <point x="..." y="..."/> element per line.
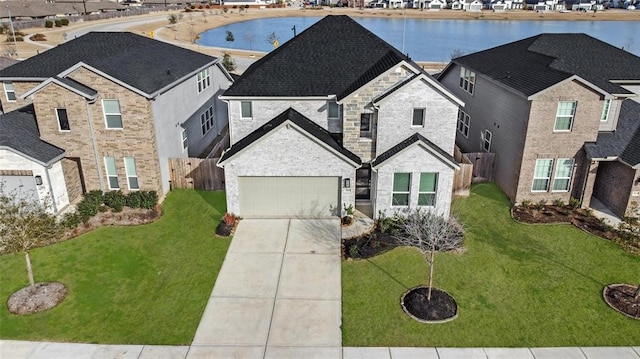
<point x="94" y="202"/>
<point x="39" y="37"/>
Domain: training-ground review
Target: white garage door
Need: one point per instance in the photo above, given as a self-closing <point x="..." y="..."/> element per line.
<point x="289" y="196"/>
<point x="23" y="187"/>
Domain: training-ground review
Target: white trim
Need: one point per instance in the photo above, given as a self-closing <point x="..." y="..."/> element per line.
<point x="32" y="159"/>
<point x="408" y="192"/>
<point x="454" y="165"/>
<point x="428" y="80"/>
<point x="606" y="104"/>
<point x="402" y="63"/>
<point x="242" y="117"/>
<point x="277" y="98"/>
<point x="59" y="83"/>
<point x="55" y="109"/>
<point x="555" y="175"/>
<point x="435" y="192"/>
<point x="106" y="171"/>
<point x="569" y="79"/>
<point x="184" y="137"/>
<point x="204" y="82"/>
<point x="424" y="115"/>
<point x="93" y="69"/>
<point x="484" y="140"/>
<point x="465" y="124"/>
<point x="126" y="170"/>
<point x="104" y="113"/>
<point x="547" y="178"/>
<point x="6" y="93"/>
<point x="573" y="116"/>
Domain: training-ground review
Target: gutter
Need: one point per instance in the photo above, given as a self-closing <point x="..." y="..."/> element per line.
<point x="95" y="145"/>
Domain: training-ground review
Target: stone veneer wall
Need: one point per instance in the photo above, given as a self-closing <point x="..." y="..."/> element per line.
<point x="20" y="88"/>
<point x="613" y="185"/>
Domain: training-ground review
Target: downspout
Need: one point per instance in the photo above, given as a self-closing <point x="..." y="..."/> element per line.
<point x="53" y="196"/>
<point x="95" y="145"/>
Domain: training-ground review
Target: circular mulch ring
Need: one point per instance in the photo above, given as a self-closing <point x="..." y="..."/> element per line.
<point x="621" y="298"/>
<point x="440" y="309"/>
<point x="40" y="297"/>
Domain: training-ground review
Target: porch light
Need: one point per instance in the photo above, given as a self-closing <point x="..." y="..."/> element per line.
<point x="346" y="183"/>
<point x="39" y="180"/>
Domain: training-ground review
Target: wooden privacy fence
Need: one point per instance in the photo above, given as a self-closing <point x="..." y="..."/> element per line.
<point x="462" y="177"/>
<point x="196" y="173"/>
<point x="483" y="165"/>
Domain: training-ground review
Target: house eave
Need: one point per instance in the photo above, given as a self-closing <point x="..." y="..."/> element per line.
<point x="454" y="165"/>
<point x="183" y="79"/>
<point x="569" y="79"/>
<point x="43" y="164"/>
<point x="278" y="98"/>
<point x="51" y="80"/>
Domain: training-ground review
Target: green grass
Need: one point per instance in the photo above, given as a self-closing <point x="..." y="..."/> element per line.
<point x="147" y="284"/>
<point x="516" y="285"/>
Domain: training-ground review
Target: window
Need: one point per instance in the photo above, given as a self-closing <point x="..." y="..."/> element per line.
<point x="463" y="123"/>
<point x="564" y="116"/>
<point x="185" y="139"/>
<point x="112" y="115"/>
<point x="486" y="141"/>
<point x="562" y="179"/>
<point x="63" y="120"/>
<point x="365" y="125"/>
<point x="132" y="175"/>
<point x="401" y="185"/>
<point x="112" y="175"/>
<point x="333" y="110"/>
<point x="605" y="110"/>
<point x="541" y="175"/>
<point x="206" y="120"/>
<point x="418" y="117"/>
<point x="204" y="80"/>
<point x="246" y="110"/>
<point x="427" y="190"/>
<point x="467" y="80"/>
<point x="9" y="91"/>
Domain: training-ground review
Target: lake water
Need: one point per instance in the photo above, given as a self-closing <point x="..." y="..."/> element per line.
<point x="426" y="39"/>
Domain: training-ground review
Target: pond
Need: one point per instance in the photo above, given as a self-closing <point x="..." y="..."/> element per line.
<point x="427" y="39"/>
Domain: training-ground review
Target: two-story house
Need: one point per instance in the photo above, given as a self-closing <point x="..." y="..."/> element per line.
<point x="118" y="106"/>
<point x="559" y="112"/>
<point x="324" y="122"/>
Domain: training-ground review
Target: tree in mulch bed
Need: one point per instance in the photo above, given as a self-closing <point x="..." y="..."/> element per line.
<point x="26" y="224"/>
<point x="429" y="233"/>
<point x="379" y="241"/>
<point x="625" y="298"/>
<point x="228" y="224"/>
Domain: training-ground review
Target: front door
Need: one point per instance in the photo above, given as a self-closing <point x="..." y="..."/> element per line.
<point x="363" y="182"/>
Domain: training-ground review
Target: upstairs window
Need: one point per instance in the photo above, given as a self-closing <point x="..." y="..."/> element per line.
<point x="132" y="173"/>
<point x="333" y="110"/>
<point x="112" y="115"/>
<point x="418" y="117"/>
<point x="467" y="80"/>
<point x="204" y="80"/>
<point x="463" y="123"/>
<point x="605" y="110"/>
<point x="63" y="120"/>
<point x="365" y="125"/>
<point x="542" y="175"/>
<point x="564" y="115"/>
<point x="401" y="186"/>
<point x="112" y="174"/>
<point x="427" y="191"/>
<point x="562" y="179"/>
<point x="245" y="109"/>
<point x="206" y="120"/>
<point x="9" y="91"/>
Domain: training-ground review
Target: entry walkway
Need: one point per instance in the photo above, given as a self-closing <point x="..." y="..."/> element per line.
<point x="278" y="293"/>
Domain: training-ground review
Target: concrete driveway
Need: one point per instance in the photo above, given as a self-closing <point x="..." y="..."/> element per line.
<point x="278" y="294"/>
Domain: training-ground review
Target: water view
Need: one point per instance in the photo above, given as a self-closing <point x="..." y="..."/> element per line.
<point x="426" y="39"/>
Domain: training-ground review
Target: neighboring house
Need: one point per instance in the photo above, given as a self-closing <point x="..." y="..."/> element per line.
<point x="325" y="122"/>
<point x="558" y="111"/>
<point x="119" y="105"/>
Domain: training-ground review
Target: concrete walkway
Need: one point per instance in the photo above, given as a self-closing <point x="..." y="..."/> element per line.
<point x="278" y="294"/>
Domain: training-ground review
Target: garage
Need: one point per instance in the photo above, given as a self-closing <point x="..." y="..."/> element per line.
<point x="289" y="196"/>
<point x="19" y="184"/>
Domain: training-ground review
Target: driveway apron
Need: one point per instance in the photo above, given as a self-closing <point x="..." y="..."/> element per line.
<point x="278" y="293"/>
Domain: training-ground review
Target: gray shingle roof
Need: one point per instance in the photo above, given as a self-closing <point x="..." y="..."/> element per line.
<point x="77" y="85"/>
<point x="145" y="64"/>
<point x="623" y="143"/>
<point x="416" y="137"/>
<point x="335" y="56"/>
<point x="19" y="131"/>
<point x="294" y="116"/>
<point x="536" y="63"/>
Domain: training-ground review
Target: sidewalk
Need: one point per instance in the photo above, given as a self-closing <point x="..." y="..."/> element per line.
<point x="12" y="349"/>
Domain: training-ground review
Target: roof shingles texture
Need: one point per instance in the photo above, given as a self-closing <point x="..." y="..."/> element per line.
<point x="315" y="64"/>
<point x="623" y="143"/>
<point x="19" y="131"/>
<point x="536" y="63"/>
<point x="147" y="65"/>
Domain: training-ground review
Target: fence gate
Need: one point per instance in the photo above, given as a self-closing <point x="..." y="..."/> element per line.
<point x="196" y="173"/>
<point x="483" y="165"/>
<point x="462" y="177"/>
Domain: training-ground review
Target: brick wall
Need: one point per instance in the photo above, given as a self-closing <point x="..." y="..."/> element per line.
<point x="613" y="185"/>
<point x="19" y="88"/>
<point x="71" y="171"/>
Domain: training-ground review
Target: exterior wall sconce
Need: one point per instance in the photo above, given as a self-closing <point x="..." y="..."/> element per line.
<point x="39" y="180"/>
<point x="346" y="183"/>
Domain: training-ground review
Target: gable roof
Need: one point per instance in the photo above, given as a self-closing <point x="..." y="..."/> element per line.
<point x="68" y="83"/>
<point x="299" y="120"/>
<point x="624" y="143"/>
<point x="335" y="56"/>
<point x="19" y="132"/>
<point x="143" y="63"/>
<point x="534" y="64"/>
<point x="415" y="138"/>
<point x="426" y="78"/>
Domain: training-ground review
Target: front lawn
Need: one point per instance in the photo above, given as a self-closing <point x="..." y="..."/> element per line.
<point x="147" y="284"/>
<point x="516" y="285"/>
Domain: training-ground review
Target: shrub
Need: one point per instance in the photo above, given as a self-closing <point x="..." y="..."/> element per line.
<point x="234" y="7"/>
<point x="90" y="205"/>
<point x="148" y="199"/>
<point x="225" y="9"/>
<point x="58" y="23"/>
<point x="525" y="203"/>
<point x="38" y="37"/>
<point x="390" y="225"/>
<point x="134" y="199"/>
<point x="540" y="205"/>
<point x="64" y="22"/>
<point x="229" y="219"/>
<point x="574" y="203"/>
<point x="14" y="38"/>
<point x="48" y="24"/>
<point x="71" y="220"/>
<point x="115" y="199"/>
<point x="558" y="202"/>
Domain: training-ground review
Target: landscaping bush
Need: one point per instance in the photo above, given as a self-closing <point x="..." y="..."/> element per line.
<point x="574" y="203"/>
<point x="58" y="23"/>
<point x="115" y="199"/>
<point x="71" y="220"/>
<point x="48" y="24"/>
<point x="38" y="37"/>
<point x="90" y="205"/>
<point x="134" y="199"/>
<point x="14" y="38"/>
<point x="148" y="199"/>
<point x="64" y="22"/>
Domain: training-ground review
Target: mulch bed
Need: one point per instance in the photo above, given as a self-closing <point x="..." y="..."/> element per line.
<point x="127" y="217"/>
<point x="621" y="298"/>
<point x="40" y="297"/>
<point x="367" y="246"/>
<point x="442" y="307"/>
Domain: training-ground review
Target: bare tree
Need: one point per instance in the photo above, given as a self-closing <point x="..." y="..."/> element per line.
<point x="173" y="19"/>
<point x="430" y="233"/>
<point x="25" y="224"/>
<point x="228" y="62"/>
<point x="249" y="36"/>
